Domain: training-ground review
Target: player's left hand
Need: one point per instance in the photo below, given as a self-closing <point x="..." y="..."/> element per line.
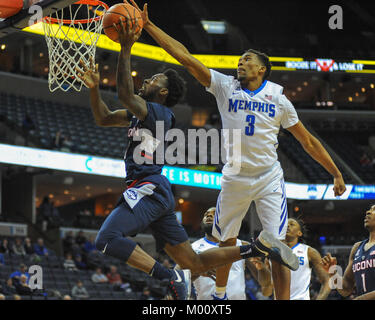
<point x="339" y="186"/>
<point x="127" y="34"/>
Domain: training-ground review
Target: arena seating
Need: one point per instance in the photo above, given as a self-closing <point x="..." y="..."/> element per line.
<point x="50" y="117"/>
<point x="56" y="278"/>
<point x="349" y="139"/>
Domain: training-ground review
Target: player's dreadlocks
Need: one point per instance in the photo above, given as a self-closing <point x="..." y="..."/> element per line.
<point x="302" y="227"/>
<point x="265" y="60"/>
<point x="176" y="87"/>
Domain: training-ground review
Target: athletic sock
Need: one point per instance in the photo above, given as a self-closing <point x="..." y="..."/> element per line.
<point x="220" y="292"/>
<point x="160" y="272"/>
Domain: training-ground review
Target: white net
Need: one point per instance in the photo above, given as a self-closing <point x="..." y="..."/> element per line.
<point x="72" y="37"/>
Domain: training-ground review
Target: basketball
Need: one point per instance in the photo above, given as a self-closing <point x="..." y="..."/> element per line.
<point x="114" y="14"/>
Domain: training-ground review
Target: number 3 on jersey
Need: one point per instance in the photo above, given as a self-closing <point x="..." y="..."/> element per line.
<point x="249" y="129"/>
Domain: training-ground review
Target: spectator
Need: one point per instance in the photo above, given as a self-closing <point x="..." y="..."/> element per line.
<point x="80" y="239"/>
<point x="16" y="275"/>
<point x="99" y="277"/>
<point x="55" y="219"/>
<point x="89" y="245"/>
<point x="40" y="248"/>
<point x="113" y="276"/>
<point x="8" y="288"/>
<point x="79" y="263"/>
<point x="45" y="212"/>
<point x="69" y="264"/>
<point x="146" y="294"/>
<point x="29" y="249"/>
<point x="4" y="247"/>
<point x="79" y="292"/>
<point x="67" y="144"/>
<point x="17" y="297"/>
<point x="22" y="288"/>
<point x="2" y="297"/>
<point x="57" y="142"/>
<point x="115" y="279"/>
<point x="27" y="126"/>
<point x="18" y="248"/>
<point x="69" y="244"/>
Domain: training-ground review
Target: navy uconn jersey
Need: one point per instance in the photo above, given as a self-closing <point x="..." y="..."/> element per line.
<point x="134" y="170"/>
<point x="364" y="268"/>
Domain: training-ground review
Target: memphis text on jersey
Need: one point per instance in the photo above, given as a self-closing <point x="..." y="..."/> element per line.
<point x="237" y="104"/>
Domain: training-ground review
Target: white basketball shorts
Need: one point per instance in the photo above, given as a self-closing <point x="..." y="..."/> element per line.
<point x="237" y="193"/>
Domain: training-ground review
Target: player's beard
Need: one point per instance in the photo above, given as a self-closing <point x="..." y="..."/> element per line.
<point x="207" y="228"/>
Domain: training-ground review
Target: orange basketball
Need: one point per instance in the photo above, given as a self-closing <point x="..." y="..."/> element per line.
<point x="113" y="15"/>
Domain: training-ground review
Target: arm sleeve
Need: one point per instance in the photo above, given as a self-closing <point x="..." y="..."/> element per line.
<point x="289" y="117"/>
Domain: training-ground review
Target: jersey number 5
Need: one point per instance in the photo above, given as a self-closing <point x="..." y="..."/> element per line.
<point x="249" y="129"/>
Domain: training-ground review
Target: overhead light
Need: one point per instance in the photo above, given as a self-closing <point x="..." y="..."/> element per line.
<point x="350" y="99"/>
<point x="181" y="201"/>
<point x="214" y="27"/>
<point x="372" y="86"/>
<point x="134" y="73"/>
<point x="356" y="94"/>
<point x="363" y="90"/>
<point x="105" y="80"/>
<point x="3" y="46"/>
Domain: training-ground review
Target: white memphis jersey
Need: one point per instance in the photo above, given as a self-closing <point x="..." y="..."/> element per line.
<point x="205" y="286"/>
<point x="300" y="279"/>
<point x="258" y="114"/>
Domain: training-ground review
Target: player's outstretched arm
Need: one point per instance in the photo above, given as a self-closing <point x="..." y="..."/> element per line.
<point x="175" y="49"/>
<point x="102" y="115"/>
<point x="316" y="150"/>
<point x="125" y="86"/>
<point x="315" y="260"/>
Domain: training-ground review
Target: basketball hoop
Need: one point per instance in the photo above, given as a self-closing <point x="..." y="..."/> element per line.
<point x="71" y="35"/>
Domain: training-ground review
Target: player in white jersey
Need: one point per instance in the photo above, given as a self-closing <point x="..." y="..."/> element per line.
<point x="309" y="258"/>
<point x="258" y="108"/>
<point x="205" y="286"/>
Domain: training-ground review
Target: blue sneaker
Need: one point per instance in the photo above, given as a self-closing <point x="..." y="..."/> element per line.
<point x="179" y="287"/>
<point x="214" y="297"/>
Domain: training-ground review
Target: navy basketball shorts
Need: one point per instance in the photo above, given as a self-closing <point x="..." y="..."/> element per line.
<point x="148" y="202"/>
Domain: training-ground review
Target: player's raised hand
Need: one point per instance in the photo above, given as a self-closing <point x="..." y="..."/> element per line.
<point x="144" y="13"/>
<point x="339" y="186"/>
<point x="89" y="75"/>
<point x="328" y="261"/>
<point x="127" y="33"/>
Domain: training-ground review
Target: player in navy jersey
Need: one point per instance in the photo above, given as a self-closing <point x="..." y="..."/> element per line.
<point x="148" y="199"/>
<point x="256" y="108"/>
<point x="360" y="272"/>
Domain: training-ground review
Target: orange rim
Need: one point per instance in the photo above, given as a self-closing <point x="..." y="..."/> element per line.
<point x="88" y="2"/>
